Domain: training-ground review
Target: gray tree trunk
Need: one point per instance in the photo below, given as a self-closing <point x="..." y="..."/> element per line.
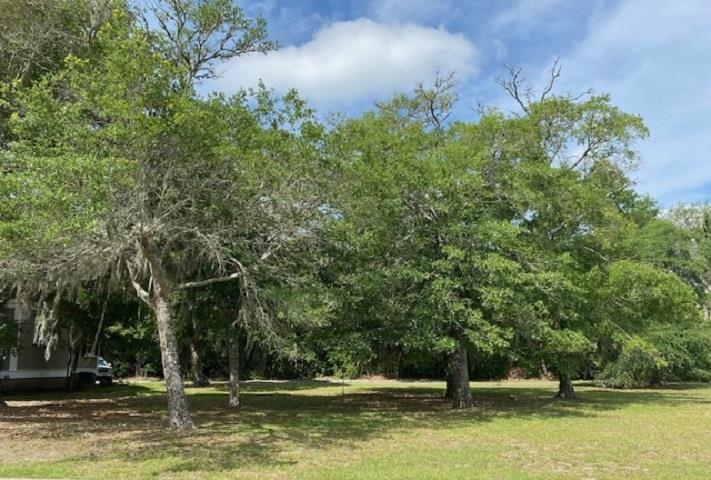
<point x="74" y="353"/>
<point x="71" y="380"/>
<point x="233" y="354"/>
<point x="461" y="395"/>
<point x="198" y="373"/>
<point x="565" y="387"/>
<point x="449" y="391"/>
<point x="178" y="410"/>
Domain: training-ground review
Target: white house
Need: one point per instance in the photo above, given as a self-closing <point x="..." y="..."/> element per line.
<point x="28" y="369"/>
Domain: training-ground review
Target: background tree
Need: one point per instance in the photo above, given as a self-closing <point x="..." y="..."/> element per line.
<point x="35" y="38"/>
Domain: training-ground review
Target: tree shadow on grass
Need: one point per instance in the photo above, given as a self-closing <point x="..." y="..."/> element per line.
<point x="278" y="420"/>
<point x="93" y="392"/>
<point x="271" y="425"/>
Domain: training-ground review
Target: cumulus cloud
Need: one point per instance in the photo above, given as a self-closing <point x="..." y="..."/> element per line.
<point x="357" y="60"/>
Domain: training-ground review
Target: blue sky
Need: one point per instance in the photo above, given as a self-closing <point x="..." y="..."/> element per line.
<point x="652" y="56"/>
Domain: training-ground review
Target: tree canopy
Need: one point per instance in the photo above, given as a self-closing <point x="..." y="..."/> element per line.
<point x="250" y="232"/>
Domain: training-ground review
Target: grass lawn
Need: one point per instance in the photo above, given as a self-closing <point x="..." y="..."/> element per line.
<point x="378" y="429"/>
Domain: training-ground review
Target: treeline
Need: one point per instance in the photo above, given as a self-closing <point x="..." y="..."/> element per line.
<point x="215" y="235"/>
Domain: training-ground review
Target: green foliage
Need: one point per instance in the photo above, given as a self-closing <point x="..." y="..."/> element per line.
<point x="394" y="238"/>
<point x="687" y="351"/>
<point x="565" y="349"/>
<point x="632" y="297"/>
<point x="130" y="342"/>
<point x="349" y="356"/>
<point x="639" y="365"/>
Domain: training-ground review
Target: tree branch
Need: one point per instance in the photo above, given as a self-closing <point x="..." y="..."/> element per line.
<point x="210" y="281"/>
<point x="140" y="291"/>
<point x="553" y="76"/>
<point x="512" y="86"/>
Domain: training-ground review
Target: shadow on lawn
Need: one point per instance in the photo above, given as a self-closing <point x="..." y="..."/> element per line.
<point x="280" y="418"/>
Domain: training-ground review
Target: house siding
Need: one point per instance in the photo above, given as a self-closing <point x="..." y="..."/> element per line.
<point x="31" y="357"/>
<point x="30" y="370"/>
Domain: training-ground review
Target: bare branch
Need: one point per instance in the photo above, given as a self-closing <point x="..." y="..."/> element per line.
<point x="210" y="281"/>
<point x="104" y="308"/>
<point x="513" y="85"/>
<point x="554" y="73"/>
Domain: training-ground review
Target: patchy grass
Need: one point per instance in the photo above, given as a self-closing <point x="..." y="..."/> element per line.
<point x="377" y="429"/>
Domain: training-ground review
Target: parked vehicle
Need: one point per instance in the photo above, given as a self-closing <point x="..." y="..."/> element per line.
<point x="104" y="372"/>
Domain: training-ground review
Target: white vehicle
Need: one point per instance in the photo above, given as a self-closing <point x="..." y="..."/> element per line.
<point x="104" y="372"/>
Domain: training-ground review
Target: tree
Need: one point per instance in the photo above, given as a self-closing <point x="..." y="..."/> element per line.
<point x="692" y="257"/>
<point x="477" y="235"/>
<point x="138" y="178"/>
<point x="35" y="38"/>
<point x="634" y="303"/>
<point x="574" y="155"/>
<point x="420" y="223"/>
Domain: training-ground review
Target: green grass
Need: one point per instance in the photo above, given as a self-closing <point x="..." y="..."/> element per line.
<point x="378" y="429"/>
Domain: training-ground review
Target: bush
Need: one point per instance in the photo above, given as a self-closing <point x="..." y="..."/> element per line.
<point x="688" y="352"/>
<point x="640" y="364"/>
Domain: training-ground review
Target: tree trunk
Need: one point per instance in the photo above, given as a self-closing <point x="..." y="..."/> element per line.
<point x="449" y="392"/>
<point x="178" y="410"/>
<point x="462" y="395"/>
<point x="71" y="379"/>
<point x="198" y="373"/>
<point x="233" y="354"/>
<point x="565" y="387"/>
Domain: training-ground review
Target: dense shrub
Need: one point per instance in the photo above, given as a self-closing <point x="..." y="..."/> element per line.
<point x="640" y="364"/>
<point x="687" y="352"/>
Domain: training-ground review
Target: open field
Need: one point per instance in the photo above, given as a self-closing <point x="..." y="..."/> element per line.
<point x="378" y="429"/>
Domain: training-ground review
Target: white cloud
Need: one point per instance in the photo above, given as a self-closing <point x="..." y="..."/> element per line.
<point x="356" y="60"/>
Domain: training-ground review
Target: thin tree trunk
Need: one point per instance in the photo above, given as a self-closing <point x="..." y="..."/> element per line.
<point x="104" y="308"/>
<point x="74" y="352"/>
<point x="462" y="395"/>
<point x="178" y="410"/>
<point x="233" y="354"/>
<point x="198" y="373"/>
<point x="72" y="368"/>
<point x="565" y="387"/>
